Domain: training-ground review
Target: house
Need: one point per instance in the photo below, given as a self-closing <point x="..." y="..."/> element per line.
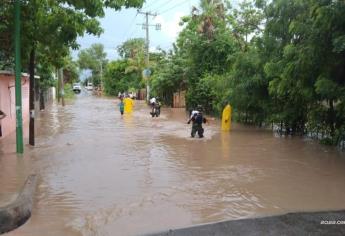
<point x="7" y="102"/>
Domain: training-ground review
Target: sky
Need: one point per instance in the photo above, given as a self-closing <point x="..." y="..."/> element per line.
<point x="120" y="26"/>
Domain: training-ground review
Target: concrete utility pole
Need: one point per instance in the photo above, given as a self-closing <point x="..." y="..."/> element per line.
<point x="18" y="83"/>
<point x="146" y="26"/>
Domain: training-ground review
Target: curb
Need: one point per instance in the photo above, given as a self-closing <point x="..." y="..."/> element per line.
<point x="18" y="212"/>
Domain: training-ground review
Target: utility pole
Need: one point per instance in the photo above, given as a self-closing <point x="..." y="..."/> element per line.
<point x="32" y="98"/>
<point x="146" y="26"/>
<point x="32" y="87"/>
<point x="61" y="85"/>
<point x="101" y="77"/>
<point x="18" y="83"/>
<point x="58" y="85"/>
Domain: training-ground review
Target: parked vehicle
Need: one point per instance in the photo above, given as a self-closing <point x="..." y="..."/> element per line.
<point x="89" y="86"/>
<point x="76" y="87"/>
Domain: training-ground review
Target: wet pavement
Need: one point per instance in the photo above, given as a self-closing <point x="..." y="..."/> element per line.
<point x="103" y="174"/>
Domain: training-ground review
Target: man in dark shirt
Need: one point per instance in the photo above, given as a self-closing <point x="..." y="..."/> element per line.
<point x="197" y="120"/>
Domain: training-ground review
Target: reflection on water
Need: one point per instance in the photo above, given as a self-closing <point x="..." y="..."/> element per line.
<point x="103" y="174"/>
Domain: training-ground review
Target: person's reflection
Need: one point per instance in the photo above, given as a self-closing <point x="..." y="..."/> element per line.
<point x="128" y="120"/>
<point x="225" y="140"/>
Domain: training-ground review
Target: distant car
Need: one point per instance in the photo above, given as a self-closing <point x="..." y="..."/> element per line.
<point x="76" y="87"/>
<point x="89" y="86"/>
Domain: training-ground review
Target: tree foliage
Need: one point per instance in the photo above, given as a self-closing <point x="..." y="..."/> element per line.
<point x="94" y="59"/>
<point x="280" y="62"/>
<point x="49" y="29"/>
<point x="132" y="48"/>
<point x="118" y="79"/>
<point x="125" y="74"/>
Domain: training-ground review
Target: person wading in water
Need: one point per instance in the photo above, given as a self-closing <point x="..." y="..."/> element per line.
<point x="197" y="120"/>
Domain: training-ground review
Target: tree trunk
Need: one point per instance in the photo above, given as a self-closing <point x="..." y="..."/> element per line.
<point x="32" y="97"/>
<point x="58" y="85"/>
<point x="61" y="87"/>
<point x="42" y="105"/>
<point x="331" y="116"/>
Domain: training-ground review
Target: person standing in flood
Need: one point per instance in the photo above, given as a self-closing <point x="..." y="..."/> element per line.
<point x="128" y="103"/>
<point x="121" y="106"/>
<point x="197" y="120"/>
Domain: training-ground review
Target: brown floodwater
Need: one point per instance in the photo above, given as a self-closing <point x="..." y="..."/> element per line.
<point x="103" y="174"/>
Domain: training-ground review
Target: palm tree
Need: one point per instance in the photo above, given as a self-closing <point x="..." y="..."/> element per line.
<point x="212" y="11"/>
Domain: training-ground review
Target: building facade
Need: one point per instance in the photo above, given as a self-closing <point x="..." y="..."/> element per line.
<point x="8" y="101"/>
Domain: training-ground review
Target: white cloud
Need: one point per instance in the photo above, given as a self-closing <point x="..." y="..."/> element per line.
<point x="170" y="26"/>
<point x="154" y="49"/>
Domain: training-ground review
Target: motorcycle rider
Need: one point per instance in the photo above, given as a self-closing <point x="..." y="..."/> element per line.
<point x="156" y="107"/>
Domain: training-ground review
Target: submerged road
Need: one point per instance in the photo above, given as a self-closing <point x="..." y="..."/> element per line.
<point x="103" y="174"/>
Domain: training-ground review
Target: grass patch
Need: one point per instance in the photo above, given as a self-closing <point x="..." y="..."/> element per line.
<point x="69" y="94"/>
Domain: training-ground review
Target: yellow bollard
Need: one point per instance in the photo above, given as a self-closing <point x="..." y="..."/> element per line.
<point x="128" y="102"/>
<point x="226" y="118"/>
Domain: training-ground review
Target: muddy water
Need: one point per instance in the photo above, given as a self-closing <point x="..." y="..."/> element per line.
<point x="100" y="174"/>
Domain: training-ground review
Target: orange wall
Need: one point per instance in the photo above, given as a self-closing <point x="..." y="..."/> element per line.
<point x="7" y="102"/>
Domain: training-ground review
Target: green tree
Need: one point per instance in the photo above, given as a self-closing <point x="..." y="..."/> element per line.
<point x="169" y="76"/>
<point x="247" y="84"/>
<point x="133" y="51"/>
<point x="53" y="25"/>
<point x="118" y="79"/>
<point x="208" y="44"/>
<point x="94" y="59"/>
<point x="306" y="69"/>
<point x="132" y="48"/>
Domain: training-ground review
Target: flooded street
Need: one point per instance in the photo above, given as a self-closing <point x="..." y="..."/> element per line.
<point x="100" y="174"/>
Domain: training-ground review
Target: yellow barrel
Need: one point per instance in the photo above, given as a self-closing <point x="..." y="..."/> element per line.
<point x="128" y="102"/>
<point x="226" y="118"/>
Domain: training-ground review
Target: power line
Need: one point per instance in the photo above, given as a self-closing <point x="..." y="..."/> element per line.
<point x="165" y="3"/>
<point x="169" y="9"/>
<point x="130" y="26"/>
<point x="148" y="5"/>
<point x="131" y="34"/>
<point x="152" y="3"/>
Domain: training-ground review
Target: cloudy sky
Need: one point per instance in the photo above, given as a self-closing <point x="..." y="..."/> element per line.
<point x="122" y="25"/>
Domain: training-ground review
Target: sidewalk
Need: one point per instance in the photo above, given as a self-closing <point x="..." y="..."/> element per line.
<point x="14" y="168"/>
<point x="17" y="186"/>
<point x="19" y="210"/>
